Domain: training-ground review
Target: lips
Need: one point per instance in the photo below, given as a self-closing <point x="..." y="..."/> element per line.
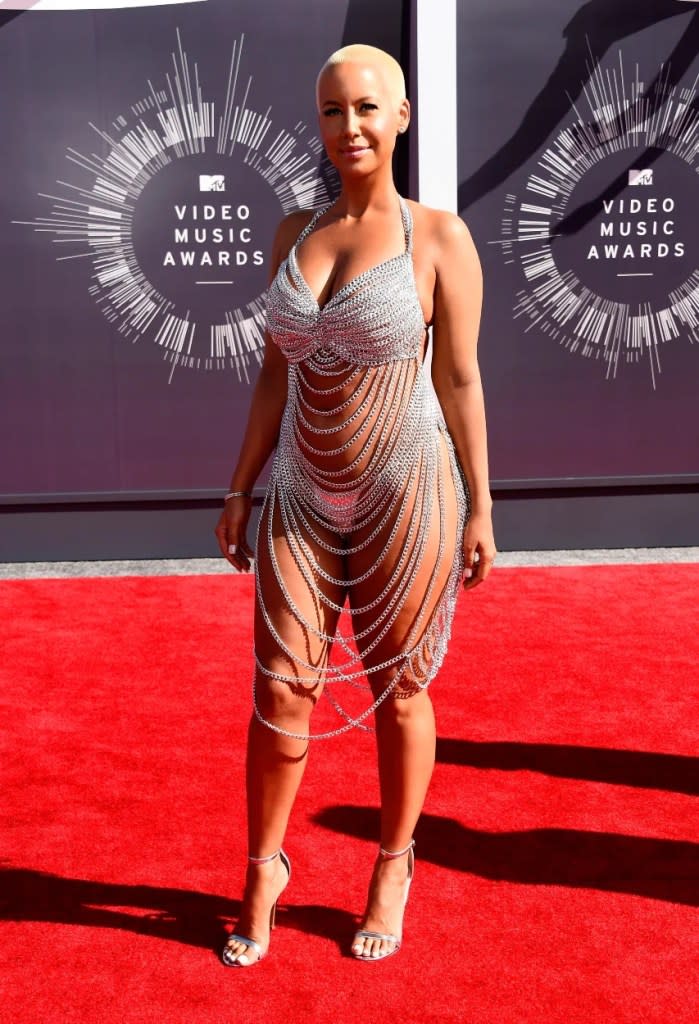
<point x="354" y="150"/>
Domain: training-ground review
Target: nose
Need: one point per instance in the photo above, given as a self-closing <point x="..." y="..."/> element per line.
<point x="351" y="124"/>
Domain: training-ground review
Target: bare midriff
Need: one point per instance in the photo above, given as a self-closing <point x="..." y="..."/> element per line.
<point x="341" y="420"/>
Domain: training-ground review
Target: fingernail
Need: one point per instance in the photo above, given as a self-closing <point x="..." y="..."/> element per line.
<point x="468" y="572"/>
<point x="232" y="548"/>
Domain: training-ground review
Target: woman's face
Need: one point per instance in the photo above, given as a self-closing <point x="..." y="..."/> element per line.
<point x="359" y="116"/>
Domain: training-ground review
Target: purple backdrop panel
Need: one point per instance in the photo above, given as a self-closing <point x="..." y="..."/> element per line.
<point x="148" y="154"/>
<point x="578" y="171"/>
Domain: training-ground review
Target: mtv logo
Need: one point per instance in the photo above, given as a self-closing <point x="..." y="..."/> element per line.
<point x="644" y="177"/>
<point x="212" y="183"/>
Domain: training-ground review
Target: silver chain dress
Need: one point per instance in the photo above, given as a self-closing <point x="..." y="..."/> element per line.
<point x="360" y="470"/>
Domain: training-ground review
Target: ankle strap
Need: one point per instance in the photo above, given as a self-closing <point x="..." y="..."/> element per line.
<point x="392" y="854"/>
<point x="264" y="860"/>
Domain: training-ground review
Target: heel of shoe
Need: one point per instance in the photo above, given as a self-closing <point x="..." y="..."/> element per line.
<point x="287" y="864"/>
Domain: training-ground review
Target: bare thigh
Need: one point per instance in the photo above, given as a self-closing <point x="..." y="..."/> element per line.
<point x="294" y="624"/>
<point x="428" y="558"/>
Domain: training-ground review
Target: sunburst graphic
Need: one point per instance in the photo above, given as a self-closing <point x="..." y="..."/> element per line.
<point x="608" y="215"/>
<point x="176" y="135"/>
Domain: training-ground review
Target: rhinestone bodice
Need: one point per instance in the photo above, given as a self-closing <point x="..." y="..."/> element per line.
<point x="375" y="318"/>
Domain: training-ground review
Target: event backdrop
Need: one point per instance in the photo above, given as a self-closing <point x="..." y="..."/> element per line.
<point x="148" y="153"/>
<point x="578" y="160"/>
<point x="149" y="150"/>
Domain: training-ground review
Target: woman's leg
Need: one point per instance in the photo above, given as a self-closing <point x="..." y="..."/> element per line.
<point x="286" y="644"/>
<point x="405" y="724"/>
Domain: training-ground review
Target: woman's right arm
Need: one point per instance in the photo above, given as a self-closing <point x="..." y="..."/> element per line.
<point x="259" y="440"/>
<point x="264" y="419"/>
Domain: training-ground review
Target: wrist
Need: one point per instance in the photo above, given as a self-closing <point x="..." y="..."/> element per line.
<point x="236" y="494"/>
<point x="482" y="506"/>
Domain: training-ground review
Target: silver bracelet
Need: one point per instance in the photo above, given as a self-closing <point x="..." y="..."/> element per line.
<point x="237" y="494"/>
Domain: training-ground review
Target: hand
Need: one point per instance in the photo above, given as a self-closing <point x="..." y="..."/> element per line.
<point x="231" y="530"/>
<point x="479" y="549"/>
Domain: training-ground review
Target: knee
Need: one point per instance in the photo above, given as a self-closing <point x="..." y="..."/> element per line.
<point x="405" y="709"/>
<point x="279" y="701"/>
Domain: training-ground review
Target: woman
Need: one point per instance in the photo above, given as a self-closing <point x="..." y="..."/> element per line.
<point x="378" y="496"/>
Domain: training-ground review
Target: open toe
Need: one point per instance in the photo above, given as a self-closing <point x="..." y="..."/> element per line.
<point x="374" y="945"/>
<point x="232" y="957"/>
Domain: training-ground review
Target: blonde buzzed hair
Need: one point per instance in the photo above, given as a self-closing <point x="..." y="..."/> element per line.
<point x="362" y="53"/>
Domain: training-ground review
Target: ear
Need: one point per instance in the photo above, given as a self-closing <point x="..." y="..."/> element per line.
<point x="403" y="116"/>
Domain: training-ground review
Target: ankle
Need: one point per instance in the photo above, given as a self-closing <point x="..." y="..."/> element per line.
<point x="388" y="854"/>
<point x="268" y="870"/>
<point x="264" y="860"/>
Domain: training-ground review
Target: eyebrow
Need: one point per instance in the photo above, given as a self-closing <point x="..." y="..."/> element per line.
<point x="361" y="99"/>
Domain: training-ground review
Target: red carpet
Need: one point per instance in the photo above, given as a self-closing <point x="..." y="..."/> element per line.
<point x="557" y="863"/>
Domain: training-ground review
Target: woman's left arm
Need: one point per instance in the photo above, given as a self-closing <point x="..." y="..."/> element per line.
<point x="457" y="380"/>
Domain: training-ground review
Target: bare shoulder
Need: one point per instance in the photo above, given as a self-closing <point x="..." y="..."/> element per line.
<point x="289" y="230"/>
<point x="444" y="235"/>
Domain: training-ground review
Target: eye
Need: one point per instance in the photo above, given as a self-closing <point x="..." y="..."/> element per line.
<point x="331" y="111"/>
<point x="369" y="106"/>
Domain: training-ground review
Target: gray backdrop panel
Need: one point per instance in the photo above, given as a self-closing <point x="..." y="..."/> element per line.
<point x="527" y="74"/>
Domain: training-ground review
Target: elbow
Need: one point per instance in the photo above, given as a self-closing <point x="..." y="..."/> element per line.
<point x="453" y="383"/>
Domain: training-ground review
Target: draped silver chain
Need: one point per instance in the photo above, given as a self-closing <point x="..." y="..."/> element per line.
<point x="355" y="364"/>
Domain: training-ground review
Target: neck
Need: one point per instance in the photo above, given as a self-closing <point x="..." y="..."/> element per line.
<point x="361" y="195"/>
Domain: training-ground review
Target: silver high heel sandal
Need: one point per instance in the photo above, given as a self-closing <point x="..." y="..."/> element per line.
<point x="234" y="960"/>
<point x="396" y="939"/>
